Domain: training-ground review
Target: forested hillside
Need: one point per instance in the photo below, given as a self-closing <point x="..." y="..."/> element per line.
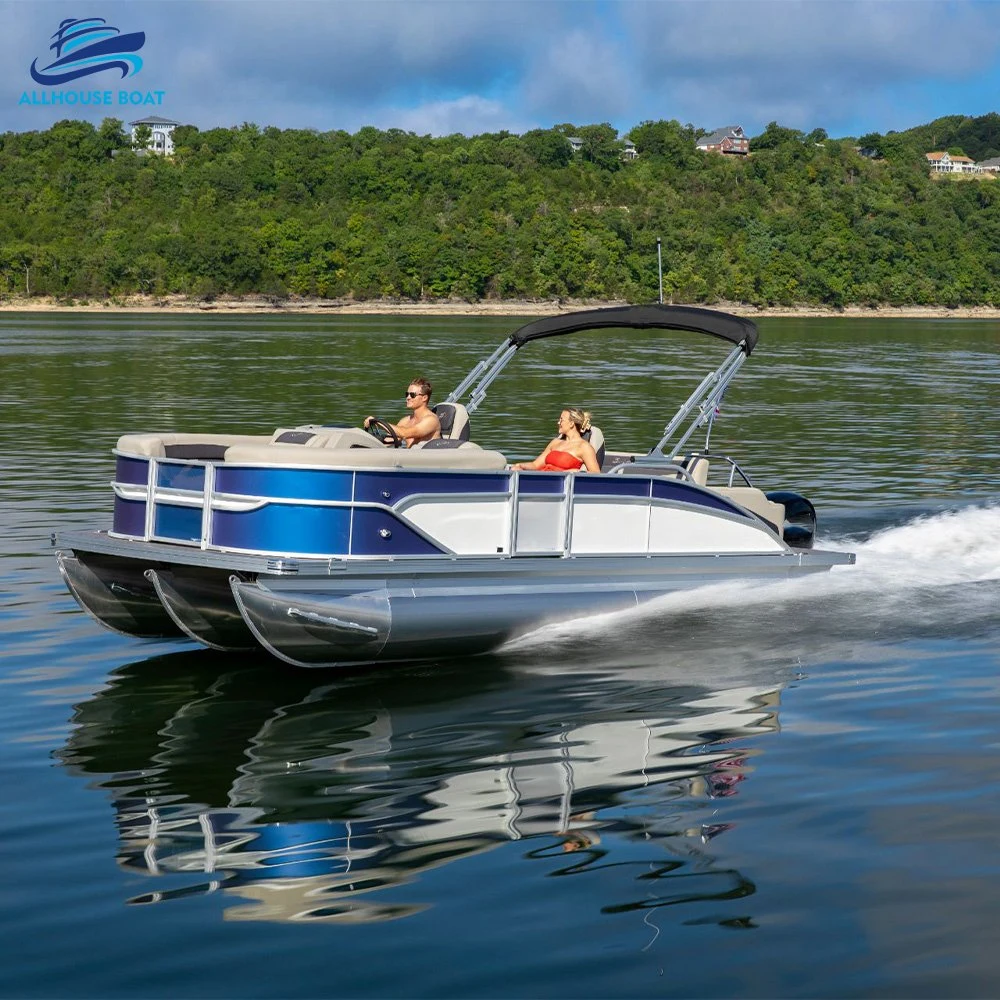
<point x="975" y="137"/>
<point x="803" y="220"/>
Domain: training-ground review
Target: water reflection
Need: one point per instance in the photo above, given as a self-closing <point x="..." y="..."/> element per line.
<point x="324" y="801"/>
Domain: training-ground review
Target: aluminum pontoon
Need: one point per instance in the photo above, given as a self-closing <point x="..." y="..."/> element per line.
<point x="327" y="548"/>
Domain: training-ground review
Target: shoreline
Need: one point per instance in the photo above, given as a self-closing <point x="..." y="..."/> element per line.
<point x="260" y="305"/>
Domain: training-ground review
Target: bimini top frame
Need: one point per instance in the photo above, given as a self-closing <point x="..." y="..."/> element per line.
<point x="703" y="403"/>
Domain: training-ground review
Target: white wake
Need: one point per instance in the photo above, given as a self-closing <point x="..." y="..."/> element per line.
<point x="941" y="569"/>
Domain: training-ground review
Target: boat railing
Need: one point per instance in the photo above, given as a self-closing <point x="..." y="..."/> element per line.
<point x="715" y="459"/>
<point x="681" y="466"/>
<point x="674" y="470"/>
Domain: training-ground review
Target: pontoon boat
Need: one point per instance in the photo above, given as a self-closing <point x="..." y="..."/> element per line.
<point x="327" y="547"/>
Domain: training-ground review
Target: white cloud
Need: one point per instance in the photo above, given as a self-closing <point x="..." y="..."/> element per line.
<point x="803" y="63"/>
<point x="886" y="38"/>
<point x="437" y="66"/>
<point x="470" y="114"/>
<point x="366" y="51"/>
<point x="580" y="76"/>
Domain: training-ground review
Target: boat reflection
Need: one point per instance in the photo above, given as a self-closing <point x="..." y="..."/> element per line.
<point x="319" y="802"/>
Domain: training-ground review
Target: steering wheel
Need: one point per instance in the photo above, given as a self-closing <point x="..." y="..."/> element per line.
<point x="382" y="429"/>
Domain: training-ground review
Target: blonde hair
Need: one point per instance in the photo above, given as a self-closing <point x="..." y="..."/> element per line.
<point x="579" y="417"/>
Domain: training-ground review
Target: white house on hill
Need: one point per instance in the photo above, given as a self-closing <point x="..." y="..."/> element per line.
<point x="162" y="140"/>
<point x="945" y="163"/>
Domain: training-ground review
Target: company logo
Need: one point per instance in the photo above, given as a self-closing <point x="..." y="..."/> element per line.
<point x="89" y="45"/>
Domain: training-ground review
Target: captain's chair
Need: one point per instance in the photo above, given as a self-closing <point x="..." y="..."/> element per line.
<point x="596" y="438"/>
<point x="454" y="419"/>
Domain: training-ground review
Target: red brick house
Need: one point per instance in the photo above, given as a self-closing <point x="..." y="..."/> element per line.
<point x="731" y="140"/>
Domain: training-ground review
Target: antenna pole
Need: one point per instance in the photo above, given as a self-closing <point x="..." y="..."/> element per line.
<point x="659" y="266"/>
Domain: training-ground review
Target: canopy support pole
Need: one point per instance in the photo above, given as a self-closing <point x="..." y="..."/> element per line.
<point x="704" y="399"/>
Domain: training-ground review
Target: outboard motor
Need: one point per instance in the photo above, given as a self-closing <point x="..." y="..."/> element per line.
<point x="799" y="529"/>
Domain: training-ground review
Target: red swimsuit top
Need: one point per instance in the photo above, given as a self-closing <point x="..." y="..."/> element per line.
<point x="560" y="461"/>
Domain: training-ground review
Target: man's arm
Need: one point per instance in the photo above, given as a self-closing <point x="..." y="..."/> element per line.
<point x="418" y="430"/>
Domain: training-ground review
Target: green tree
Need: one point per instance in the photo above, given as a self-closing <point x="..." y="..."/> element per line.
<point x="774" y="136"/>
<point x="142" y="137"/>
<point x="112" y="136"/>
<point x="601" y="146"/>
<point x="547" y="147"/>
<point x="667" y="139"/>
<point x="17" y="261"/>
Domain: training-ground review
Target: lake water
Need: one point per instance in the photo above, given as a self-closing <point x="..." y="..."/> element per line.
<point x="781" y="791"/>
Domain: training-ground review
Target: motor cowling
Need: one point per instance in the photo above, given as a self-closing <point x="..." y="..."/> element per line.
<point x="799" y="529"/>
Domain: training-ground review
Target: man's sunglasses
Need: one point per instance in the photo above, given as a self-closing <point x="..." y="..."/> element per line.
<point x="413" y="395"/>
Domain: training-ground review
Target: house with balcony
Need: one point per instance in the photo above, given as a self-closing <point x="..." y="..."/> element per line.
<point x="162" y="129"/>
<point x="730" y="140"/>
<point x="948" y="163"/>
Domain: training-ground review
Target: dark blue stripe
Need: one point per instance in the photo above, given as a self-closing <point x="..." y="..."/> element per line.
<point x="182" y="523"/>
<point x="181" y="477"/>
<point x="371" y="487"/>
<point x="284" y="528"/>
<point x="293" y="484"/>
<point x="673" y="489"/>
<point x="129" y="517"/>
<point x="614" y="486"/>
<point x="132" y="470"/>
<point x="546" y="484"/>
<point x="402" y="540"/>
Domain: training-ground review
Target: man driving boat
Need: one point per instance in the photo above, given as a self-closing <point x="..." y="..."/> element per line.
<point x="420" y="423"/>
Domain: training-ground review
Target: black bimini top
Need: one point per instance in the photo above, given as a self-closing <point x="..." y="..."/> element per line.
<point x="741" y="332"/>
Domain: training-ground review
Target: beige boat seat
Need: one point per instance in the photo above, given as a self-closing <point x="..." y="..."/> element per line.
<point x="463" y="455"/>
<point x="315" y="436"/>
<point x="454" y="420"/>
<point x="190" y="447"/>
<point x="306" y="436"/>
<point x="596" y="438"/>
<point x="696" y="466"/>
<point x="755" y="500"/>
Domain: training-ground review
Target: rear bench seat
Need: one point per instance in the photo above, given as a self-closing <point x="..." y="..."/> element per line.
<point x="755" y="500"/>
<point x="323" y="446"/>
<point x="212" y="447"/>
<point x="193" y="447"/>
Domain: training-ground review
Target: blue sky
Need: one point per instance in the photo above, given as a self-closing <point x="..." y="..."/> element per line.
<point x="441" y="67"/>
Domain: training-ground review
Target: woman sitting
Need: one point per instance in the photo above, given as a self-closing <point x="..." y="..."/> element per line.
<point x="568" y="452"/>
